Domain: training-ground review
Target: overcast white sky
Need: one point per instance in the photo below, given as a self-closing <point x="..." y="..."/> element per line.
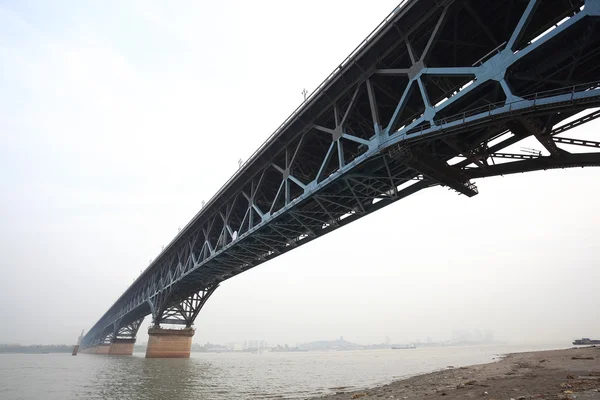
<point x="118" y="118"/>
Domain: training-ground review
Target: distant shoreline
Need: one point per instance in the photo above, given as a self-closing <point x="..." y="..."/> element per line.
<point x="530" y="375"/>
<point x="35" y="349"/>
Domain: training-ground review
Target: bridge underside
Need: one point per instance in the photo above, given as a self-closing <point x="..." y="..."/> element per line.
<point x="440" y="94"/>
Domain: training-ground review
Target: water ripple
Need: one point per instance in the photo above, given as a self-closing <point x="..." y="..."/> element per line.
<point x="222" y="376"/>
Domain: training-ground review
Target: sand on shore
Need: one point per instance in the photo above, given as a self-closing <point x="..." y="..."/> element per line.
<point x="557" y="374"/>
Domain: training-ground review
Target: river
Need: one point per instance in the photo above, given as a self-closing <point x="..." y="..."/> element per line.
<point x="211" y="376"/>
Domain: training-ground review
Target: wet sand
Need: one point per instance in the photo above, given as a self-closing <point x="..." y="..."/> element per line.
<point x="557" y="374"/>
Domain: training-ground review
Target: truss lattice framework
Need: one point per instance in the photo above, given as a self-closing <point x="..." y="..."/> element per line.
<point x="119" y="330"/>
<point x="127" y="331"/>
<point x="168" y="309"/>
<point x="438" y="81"/>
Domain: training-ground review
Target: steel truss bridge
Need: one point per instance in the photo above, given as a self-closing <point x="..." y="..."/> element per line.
<point x="433" y="96"/>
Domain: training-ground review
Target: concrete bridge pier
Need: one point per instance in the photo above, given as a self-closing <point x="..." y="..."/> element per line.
<point x="121" y="347"/>
<point x="116" y="340"/>
<point x="169" y="343"/>
<point x="88" y="350"/>
<point x="102" y="348"/>
<point x="123" y="337"/>
<point x="174" y="310"/>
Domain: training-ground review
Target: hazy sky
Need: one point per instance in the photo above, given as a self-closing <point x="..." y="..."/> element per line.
<point x="118" y="118"/>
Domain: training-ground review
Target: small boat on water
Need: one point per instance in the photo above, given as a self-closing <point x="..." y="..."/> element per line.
<point x="585" y="341"/>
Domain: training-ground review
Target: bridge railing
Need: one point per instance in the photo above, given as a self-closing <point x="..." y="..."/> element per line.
<point x="595" y="85"/>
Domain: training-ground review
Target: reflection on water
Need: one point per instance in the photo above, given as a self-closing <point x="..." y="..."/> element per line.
<point x="139" y="378"/>
<point x="223" y="376"/>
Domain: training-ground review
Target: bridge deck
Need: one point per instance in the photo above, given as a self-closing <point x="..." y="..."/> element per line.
<point x="435" y="80"/>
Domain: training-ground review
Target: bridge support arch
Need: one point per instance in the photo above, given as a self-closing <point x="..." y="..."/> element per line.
<point x="172" y="309"/>
<point x="118" y="341"/>
<point x="123" y="337"/>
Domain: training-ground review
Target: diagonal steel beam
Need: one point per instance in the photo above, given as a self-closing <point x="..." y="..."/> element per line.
<point x="576" y="142"/>
<point x="520" y="29"/>
<point x="440" y="23"/>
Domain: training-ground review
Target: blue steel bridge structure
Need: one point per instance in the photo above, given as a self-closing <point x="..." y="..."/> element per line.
<point x="433" y="96"/>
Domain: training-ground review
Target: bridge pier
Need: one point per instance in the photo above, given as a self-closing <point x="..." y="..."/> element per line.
<point x="121" y="347"/>
<point x="169" y="343"/>
<point x="88" y="350"/>
<point x="102" y="348"/>
<point x="172" y="309"/>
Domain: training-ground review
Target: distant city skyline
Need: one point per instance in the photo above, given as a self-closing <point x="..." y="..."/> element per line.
<point x="458" y="336"/>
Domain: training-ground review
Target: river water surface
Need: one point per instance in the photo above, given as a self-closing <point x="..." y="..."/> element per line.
<point x="210" y="376"/>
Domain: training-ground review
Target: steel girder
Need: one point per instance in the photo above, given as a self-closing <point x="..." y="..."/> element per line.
<point x="169" y="308"/>
<point x="437" y="81"/>
<point x="120" y="329"/>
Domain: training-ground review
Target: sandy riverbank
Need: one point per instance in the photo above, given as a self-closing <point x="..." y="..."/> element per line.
<point x="557" y="374"/>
